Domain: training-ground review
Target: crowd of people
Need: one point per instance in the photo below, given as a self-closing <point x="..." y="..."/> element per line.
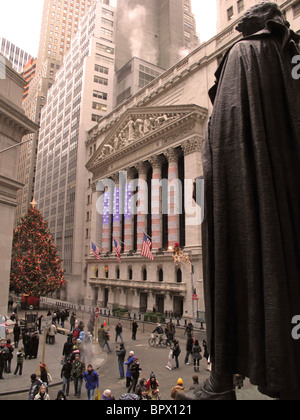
<point x="77" y="359"/>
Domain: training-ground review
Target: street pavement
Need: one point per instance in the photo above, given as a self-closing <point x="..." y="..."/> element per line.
<point x="151" y="360"/>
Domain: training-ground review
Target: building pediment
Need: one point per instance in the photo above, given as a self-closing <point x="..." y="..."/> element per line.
<point x="139" y="126"/>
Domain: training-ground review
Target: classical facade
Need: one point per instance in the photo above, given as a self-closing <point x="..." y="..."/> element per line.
<point x="13" y="126"/>
<point x="150" y="158"/>
<point x="154" y="136"/>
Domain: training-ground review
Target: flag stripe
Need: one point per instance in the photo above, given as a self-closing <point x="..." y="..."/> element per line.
<point x="146" y="248"/>
<point x="118" y="250"/>
<point x="96" y="251"/>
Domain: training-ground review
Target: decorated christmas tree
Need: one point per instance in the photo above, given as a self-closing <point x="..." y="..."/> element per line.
<point x="35" y="266"/>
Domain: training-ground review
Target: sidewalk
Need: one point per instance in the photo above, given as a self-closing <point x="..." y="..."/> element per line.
<point x="19" y="384"/>
<point x="152" y="359"/>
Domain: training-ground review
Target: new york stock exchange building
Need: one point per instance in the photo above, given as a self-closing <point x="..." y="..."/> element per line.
<point x="142" y="160"/>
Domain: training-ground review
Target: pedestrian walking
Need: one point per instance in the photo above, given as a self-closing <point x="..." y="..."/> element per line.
<point x="66" y="376"/>
<point x="106" y="336"/>
<point x="35" y="341"/>
<point x="176" y="353"/>
<point x="107" y="395"/>
<point x="189" y="330"/>
<point x="42" y="394"/>
<point x="119" y="330"/>
<point x="128" y="373"/>
<point x="153" y="387"/>
<point x="189" y="348"/>
<point x="43" y="374"/>
<point x="3" y="354"/>
<point x="196" y="353"/>
<point x="51" y="333"/>
<point x="72" y="321"/>
<point x="142" y="384"/>
<point x="9" y="356"/>
<point x="101" y="337"/>
<point x="91" y="378"/>
<point x="68" y="348"/>
<point x="61" y="396"/>
<point x="20" y="361"/>
<point x="34" y="387"/>
<point x="121" y="353"/>
<point x="78" y="369"/>
<point x="134" y="329"/>
<point x="144" y="396"/>
<point x="17" y="333"/>
<point x="135" y="374"/>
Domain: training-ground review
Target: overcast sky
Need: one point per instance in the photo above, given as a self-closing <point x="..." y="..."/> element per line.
<point x="20" y="21"/>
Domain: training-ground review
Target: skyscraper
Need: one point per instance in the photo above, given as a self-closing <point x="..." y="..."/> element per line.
<point x="80" y="96"/>
<point x="60" y="22"/>
<point x="157" y="31"/>
<point x="14" y="54"/>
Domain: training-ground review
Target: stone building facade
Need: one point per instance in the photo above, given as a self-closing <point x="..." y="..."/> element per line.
<point x="155" y="135"/>
<point x="13" y="126"/>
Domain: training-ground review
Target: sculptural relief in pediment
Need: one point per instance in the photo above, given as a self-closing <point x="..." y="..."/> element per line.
<point x="133" y="129"/>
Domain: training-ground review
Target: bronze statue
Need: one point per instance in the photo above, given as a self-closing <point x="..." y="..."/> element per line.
<point x="251" y="232"/>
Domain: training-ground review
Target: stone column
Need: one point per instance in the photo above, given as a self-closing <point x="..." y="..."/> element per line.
<point x="156" y="204"/>
<point x="174" y="196"/>
<point x="128" y="212"/>
<point x="96" y="217"/>
<point x="193" y="214"/>
<point x="106" y="219"/>
<point x="142" y="208"/>
<point x="116" y="212"/>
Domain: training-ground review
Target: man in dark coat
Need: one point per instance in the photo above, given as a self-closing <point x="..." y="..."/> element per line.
<point x="251" y="232"/>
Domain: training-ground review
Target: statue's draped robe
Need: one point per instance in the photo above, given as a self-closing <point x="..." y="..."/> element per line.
<point x="251" y="233"/>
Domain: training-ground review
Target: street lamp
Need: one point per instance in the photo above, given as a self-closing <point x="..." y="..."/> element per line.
<point x="185" y="258"/>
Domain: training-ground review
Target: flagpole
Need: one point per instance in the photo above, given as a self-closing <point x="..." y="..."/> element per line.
<point x="118" y="240"/>
<point x="148" y="236"/>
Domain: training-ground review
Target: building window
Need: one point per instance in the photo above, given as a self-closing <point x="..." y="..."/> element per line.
<point x="101" y="80"/>
<point x="144" y="273"/>
<point x="99" y="107"/>
<point x="161" y="275"/>
<point x="296" y="10"/>
<point x="100" y="95"/>
<point x="179" y="276"/>
<point x="130" y="273"/>
<point x="230" y="13"/>
<point x="240" y="5"/>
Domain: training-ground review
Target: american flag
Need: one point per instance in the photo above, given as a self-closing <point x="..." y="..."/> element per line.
<point x="118" y="250"/>
<point x="96" y="251"/>
<point x="146" y="248"/>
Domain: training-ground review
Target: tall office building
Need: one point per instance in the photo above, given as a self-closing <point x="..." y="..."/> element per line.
<point x="157" y="31"/>
<point x="80" y="96"/>
<point x="14" y="54"/>
<point x="60" y="22"/>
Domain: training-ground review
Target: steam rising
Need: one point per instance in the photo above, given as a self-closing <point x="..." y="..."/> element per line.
<point x="133" y="23"/>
